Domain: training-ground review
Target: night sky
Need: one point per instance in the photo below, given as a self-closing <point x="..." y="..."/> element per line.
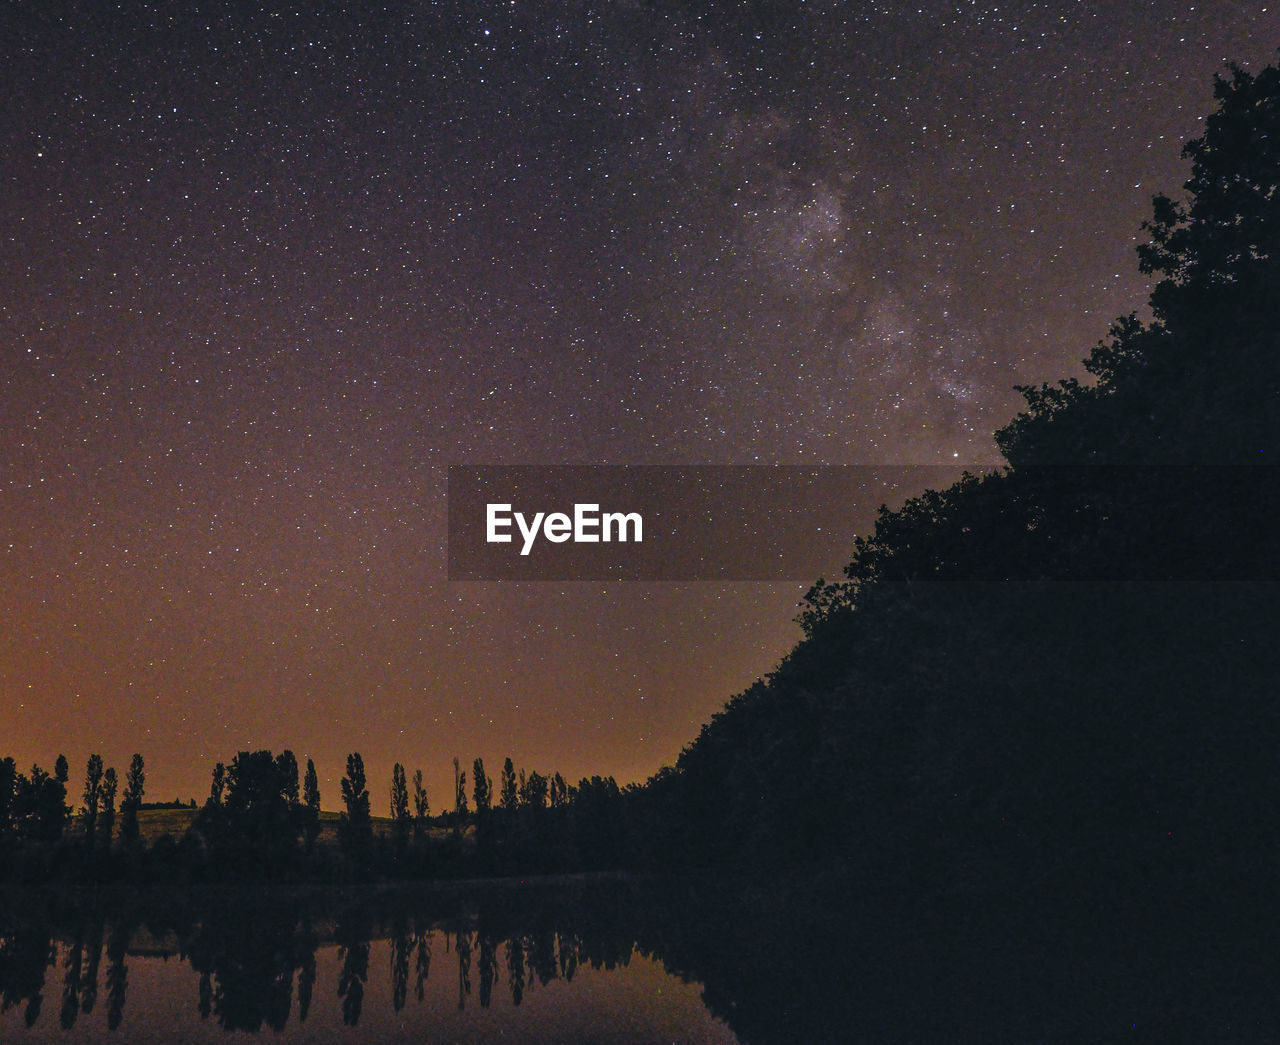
<point x="265" y="274"/>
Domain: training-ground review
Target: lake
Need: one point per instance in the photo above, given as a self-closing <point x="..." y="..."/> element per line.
<point x="539" y="963"/>
<point x="610" y="959"/>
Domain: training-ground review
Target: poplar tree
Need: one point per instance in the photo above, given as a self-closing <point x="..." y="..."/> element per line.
<point x="311" y="804"/>
<point x="107" y="805"/>
<point x="357" y="827"/>
<point x="92" y="797"/>
<point x="510" y="799"/>
<point x="420" y="808"/>
<point x="459" y="794"/>
<point x="399" y="806"/>
<point x="131" y="801"/>
<point x="482" y="788"/>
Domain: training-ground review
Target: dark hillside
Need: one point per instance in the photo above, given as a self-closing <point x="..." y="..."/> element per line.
<point x="1065" y="671"/>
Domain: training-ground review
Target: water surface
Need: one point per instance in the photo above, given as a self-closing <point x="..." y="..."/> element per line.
<point x="512" y="965"/>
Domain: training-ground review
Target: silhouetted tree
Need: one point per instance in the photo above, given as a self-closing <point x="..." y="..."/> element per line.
<point x="535" y="791"/>
<point x="1197" y="384"/>
<point x="482" y="787"/>
<point x="258" y="807"/>
<point x="420" y="808"/>
<point x="1222" y="246"/>
<point x="400" y="820"/>
<point x="559" y="791"/>
<point x="287" y="770"/>
<point x="107" y="805"/>
<point x="24" y="806"/>
<point x="459" y="792"/>
<point x="510" y="799"/>
<point x="40" y="805"/>
<point x="8" y="783"/>
<point x="978" y="727"/>
<point x="356" y="827"/>
<point x="218" y="787"/>
<point x="311" y="805"/>
<point x="134" y="788"/>
<point x="92" y="798"/>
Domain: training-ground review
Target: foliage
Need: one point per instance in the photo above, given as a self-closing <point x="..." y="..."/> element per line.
<point x="400" y="821"/>
<point x="953" y="705"/>
<point x="509" y="797"/>
<point x="134" y="788"/>
<point x="92" y="797"/>
<point x="482" y="787"/>
<point x="459" y="789"/>
<point x="107" y="805"/>
<point x="311" y="805"/>
<point x="356" y="829"/>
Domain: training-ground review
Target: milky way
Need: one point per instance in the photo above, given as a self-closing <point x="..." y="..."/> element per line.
<point x="266" y="274"/>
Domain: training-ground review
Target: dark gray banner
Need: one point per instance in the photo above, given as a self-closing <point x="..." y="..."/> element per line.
<point x="667" y="523"/>
<point x="793" y="523"/>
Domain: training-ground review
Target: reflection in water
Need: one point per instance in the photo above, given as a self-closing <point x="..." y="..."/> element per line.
<point x="306" y="974"/>
<point x="71" y="985"/>
<point x="24" y="955"/>
<point x="488" y="968"/>
<point x="244" y="964"/>
<point x="353" y="950"/>
<point x="515" y="968"/>
<point x="462" y="944"/>
<point x="400" y="948"/>
<point x="614" y="961"/>
<point x="117" y="973"/>
<point x="422" y="963"/>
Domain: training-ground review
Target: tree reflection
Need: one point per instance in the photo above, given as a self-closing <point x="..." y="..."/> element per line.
<point x="488" y="967"/>
<point x="74" y="966"/>
<point x="247" y="953"/>
<point x="570" y="945"/>
<point x="24" y="956"/>
<point x="462" y="944"/>
<point x="422" y="963"/>
<point x="117" y="972"/>
<point x="93" y="948"/>
<point x="400" y="947"/>
<point x="353" y="935"/>
<point x="246" y="959"/>
<point x="542" y="955"/>
<point x="306" y="983"/>
<point x="515" y="968"/>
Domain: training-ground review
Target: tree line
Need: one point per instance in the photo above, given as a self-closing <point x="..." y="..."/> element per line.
<point x="33" y="806"/>
<point x="262" y="820"/>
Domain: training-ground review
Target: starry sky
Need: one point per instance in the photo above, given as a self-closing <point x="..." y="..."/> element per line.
<point x="266" y="272"/>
